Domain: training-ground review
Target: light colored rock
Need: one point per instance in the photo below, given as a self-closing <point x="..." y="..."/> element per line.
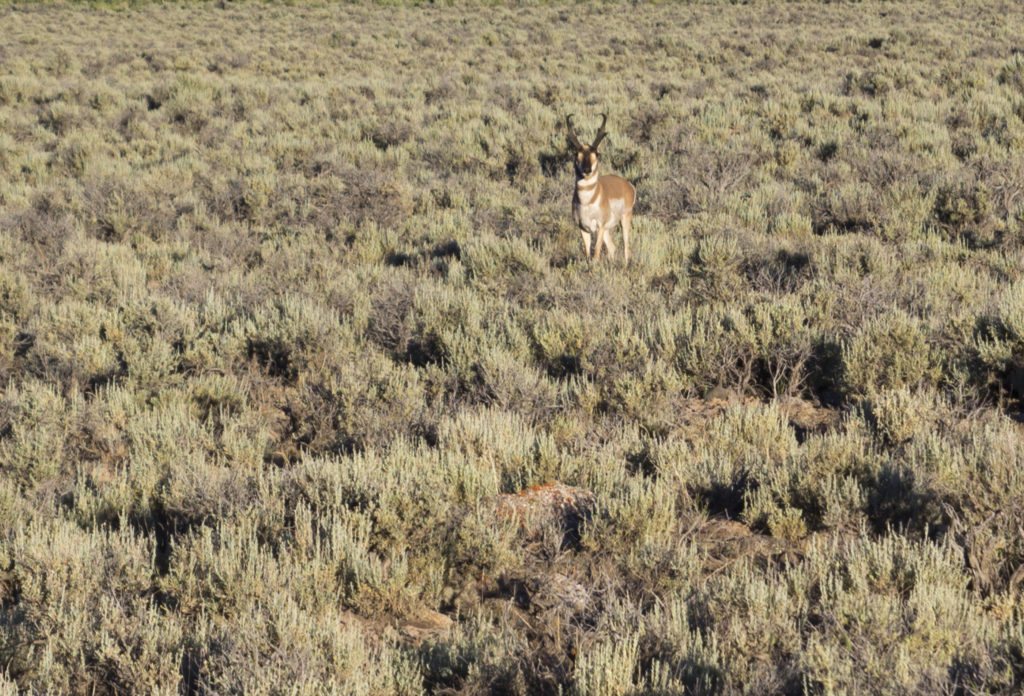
<point x="532" y="508"/>
<point x="422" y="623"/>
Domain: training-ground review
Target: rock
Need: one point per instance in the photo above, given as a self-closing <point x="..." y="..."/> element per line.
<point x="540" y="592"/>
<point x="551" y="502"/>
<point x="422" y="623"/>
<point x="726" y="541"/>
<point x="719" y="394"/>
<point x="556" y="589"/>
<point x="808" y="417"/>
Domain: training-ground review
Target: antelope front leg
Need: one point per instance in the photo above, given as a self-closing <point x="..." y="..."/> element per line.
<point x="586" y="243"/>
<point x="607" y="234"/>
<point x="597" y="243"/>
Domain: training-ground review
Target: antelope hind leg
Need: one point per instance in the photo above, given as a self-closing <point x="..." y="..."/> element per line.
<point x="627" y="221"/>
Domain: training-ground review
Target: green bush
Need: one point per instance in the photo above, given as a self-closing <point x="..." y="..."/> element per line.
<point x="888" y="352"/>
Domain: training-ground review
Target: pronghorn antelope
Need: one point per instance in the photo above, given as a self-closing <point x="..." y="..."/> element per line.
<point x="600" y="202"/>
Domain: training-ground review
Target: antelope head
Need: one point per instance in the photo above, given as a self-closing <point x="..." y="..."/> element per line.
<point x="586" y="155"/>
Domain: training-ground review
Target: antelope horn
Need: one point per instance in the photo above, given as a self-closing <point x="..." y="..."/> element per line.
<point x="572" y="133"/>
<point x="600" y="133"/>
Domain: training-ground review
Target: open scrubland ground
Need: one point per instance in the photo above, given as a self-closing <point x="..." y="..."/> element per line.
<point x="290" y="296"/>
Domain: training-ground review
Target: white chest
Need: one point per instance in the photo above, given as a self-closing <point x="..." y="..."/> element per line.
<point x="589" y="211"/>
<point x="590" y="216"/>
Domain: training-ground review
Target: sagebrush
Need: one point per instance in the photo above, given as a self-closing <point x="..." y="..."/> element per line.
<point x="291" y="295"/>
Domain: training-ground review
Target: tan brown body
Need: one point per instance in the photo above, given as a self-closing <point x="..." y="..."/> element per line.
<point x="600" y="202"/>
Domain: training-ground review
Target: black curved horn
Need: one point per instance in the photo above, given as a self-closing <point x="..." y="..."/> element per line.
<point x="600" y="133"/>
<point x="572" y="133"/>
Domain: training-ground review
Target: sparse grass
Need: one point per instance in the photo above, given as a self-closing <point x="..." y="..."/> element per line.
<point x="290" y="294"/>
